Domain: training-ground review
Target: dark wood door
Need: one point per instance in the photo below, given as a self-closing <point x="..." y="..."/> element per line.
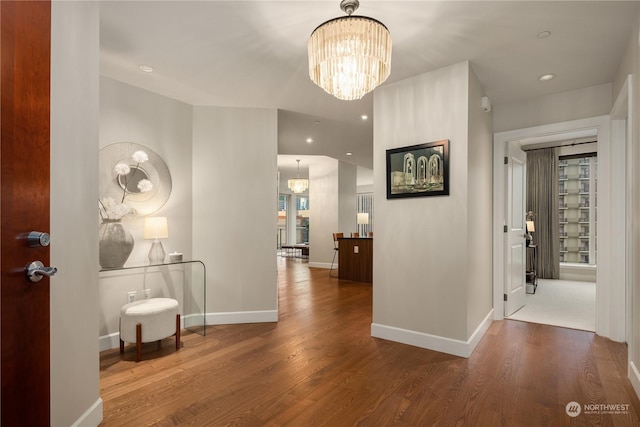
<point x="25" y="37"/>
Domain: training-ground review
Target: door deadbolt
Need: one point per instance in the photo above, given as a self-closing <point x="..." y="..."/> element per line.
<point x="36" y="239"/>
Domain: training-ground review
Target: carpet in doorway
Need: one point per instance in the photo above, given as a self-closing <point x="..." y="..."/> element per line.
<point x="561" y="303"/>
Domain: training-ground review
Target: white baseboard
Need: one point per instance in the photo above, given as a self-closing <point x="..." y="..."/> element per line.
<point x="634" y="377"/>
<point x="434" y="342"/>
<point x="482" y="328"/>
<point x="92" y="417"/>
<point x="107" y="342"/>
<point x="191" y="320"/>
<point x="326" y="265"/>
<point x="229" y="318"/>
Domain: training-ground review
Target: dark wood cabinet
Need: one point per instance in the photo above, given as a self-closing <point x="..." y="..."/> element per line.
<point x="355" y="259"/>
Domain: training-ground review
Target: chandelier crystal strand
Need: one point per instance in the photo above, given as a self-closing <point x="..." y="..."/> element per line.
<point x="350" y="56"/>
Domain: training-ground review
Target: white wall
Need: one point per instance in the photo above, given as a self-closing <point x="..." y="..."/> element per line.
<point x="365" y="189"/>
<point x="75" y="383"/>
<point x="421" y="260"/>
<point x="332" y="196"/>
<point x="323" y="193"/>
<point x="559" y="107"/>
<point x="131" y="114"/>
<point x="347" y="178"/>
<point x="480" y="209"/>
<point x="630" y="65"/>
<point x="234" y="211"/>
<point x="292" y="216"/>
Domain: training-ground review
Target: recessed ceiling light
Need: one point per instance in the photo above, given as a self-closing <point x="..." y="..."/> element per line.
<point x="364" y="117"/>
<point x="545" y="77"/>
<point x="145" y="68"/>
<point x="316" y="122"/>
<point x="349" y="153"/>
<point x="544" y="34"/>
<point x="309" y="140"/>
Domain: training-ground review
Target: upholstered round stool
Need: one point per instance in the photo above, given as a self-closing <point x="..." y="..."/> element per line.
<point x="149" y="320"/>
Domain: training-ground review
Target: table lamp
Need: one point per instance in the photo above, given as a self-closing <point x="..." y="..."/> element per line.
<point x="530" y="230"/>
<point x="363" y="218"/>
<point x="156" y="228"/>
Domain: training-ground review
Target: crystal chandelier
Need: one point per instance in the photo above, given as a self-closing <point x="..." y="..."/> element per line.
<point x="350" y="56"/>
<point x="298" y="185"/>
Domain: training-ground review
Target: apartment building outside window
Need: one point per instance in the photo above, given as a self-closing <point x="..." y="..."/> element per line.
<point x="577" y="185"/>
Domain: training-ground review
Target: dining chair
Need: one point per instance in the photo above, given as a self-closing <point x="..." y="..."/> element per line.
<point x="336" y="246"/>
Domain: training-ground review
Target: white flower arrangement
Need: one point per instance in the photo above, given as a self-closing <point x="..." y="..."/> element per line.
<point x="140" y="157"/>
<point x="111" y="210"/>
<point x="144" y="185"/>
<point x="122" y="169"/>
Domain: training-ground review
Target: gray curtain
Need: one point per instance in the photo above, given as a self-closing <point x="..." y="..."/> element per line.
<point x="542" y="199"/>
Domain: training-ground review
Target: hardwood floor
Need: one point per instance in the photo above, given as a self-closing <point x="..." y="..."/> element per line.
<point x="319" y="366"/>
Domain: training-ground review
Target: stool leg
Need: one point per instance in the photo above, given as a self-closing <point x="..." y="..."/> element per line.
<point x="138" y="342"/>
<point x="332" y="261"/>
<point x="119" y="331"/>
<point x="178" y="331"/>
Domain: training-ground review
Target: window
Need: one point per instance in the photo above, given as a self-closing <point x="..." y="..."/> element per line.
<point x="364" y="204"/>
<point x="577" y="184"/>
<point x="302" y="219"/>
<point x="283" y="200"/>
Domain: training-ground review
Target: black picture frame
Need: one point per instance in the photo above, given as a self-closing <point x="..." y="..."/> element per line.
<point x="418" y="170"/>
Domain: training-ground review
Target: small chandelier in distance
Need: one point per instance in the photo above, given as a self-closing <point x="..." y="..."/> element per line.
<point x="298" y="185"/>
<point x="350" y="56"/>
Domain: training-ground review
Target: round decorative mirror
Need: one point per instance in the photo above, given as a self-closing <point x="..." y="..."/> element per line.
<point x="133" y="175"/>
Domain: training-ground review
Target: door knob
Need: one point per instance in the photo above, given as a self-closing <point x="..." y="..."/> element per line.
<point x="36" y="270"/>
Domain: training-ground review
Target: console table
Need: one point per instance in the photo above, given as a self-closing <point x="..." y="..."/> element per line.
<point x="355" y="259"/>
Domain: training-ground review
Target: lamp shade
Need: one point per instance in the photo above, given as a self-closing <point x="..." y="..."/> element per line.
<point x="530" y="227"/>
<point x="156" y="228"/>
<point x="363" y="218"/>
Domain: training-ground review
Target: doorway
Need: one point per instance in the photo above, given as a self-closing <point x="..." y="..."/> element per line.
<point x="561" y="201"/>
<point x="610" y="301"/>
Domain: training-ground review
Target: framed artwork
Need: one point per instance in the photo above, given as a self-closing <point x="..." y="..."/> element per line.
<point x="418" y="170"/>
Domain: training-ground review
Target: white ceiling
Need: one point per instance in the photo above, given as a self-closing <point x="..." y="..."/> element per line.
<point x="254" y="54"/>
